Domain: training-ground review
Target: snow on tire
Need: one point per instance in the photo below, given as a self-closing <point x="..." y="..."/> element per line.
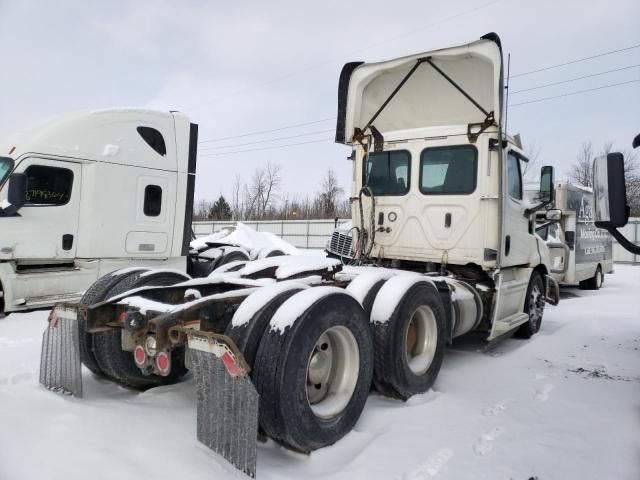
<point x="313" y="371"/>
<point x="119" y="364"/>
<point x="409" y="328"/>
<point x="366" y="286"/>
<point x="252" y="317"/>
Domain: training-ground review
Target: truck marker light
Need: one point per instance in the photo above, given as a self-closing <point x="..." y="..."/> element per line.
<point x="163" y="363"/>
<point x="230" y="364"/>
<point x="122" y="317"/>
<point x="139" y="355"/>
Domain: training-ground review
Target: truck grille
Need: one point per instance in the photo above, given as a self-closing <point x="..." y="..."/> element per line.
<point x="340" y="245"/>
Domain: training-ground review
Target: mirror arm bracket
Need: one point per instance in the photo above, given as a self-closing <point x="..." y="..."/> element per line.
<point x="535" y="208"/>
<point x="623" y="241"/>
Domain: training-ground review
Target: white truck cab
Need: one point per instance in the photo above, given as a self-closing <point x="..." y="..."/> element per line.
<point x="446" y="181"/>
<point x="87" y="193"/>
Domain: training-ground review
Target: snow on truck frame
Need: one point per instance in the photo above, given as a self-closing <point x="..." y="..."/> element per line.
<point x="445" y="245"/>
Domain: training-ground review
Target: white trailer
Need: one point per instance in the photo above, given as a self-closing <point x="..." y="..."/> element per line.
<point x="588" y="251"/>
<point x="87" y="193"/>
<point x="445" y="244"/>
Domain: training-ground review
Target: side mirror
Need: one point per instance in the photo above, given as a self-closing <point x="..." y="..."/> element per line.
<point x="17" y="191"/>
<point x="611" y="209"/>
<point x="636" y="141"/>
<point x="553" y="215"/>
<point x="546" y="184"/>
<point x="570" y="239"/>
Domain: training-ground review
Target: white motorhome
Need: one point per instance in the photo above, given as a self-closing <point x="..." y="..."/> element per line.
<point x="581" y="253"/>
<point x="87" y="193"/>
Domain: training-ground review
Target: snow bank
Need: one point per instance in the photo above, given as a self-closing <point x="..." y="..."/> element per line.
<point x="242" y="236"/>
<point x="260" y="298"/>
<point x="295" y="306"/>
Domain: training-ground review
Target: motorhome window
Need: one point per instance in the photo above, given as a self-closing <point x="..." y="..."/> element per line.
<point x="387" y="173"/>
<point x="153" y="138"/>
<point x="152" y="200"/>
<point x="448" y="170"/>
<point x="5" y="168"/>
<point x="514" y="178"/>
<point x="48" y="186"/>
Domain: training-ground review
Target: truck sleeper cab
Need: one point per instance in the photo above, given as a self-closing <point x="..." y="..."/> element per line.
<point x="92" y="192"/>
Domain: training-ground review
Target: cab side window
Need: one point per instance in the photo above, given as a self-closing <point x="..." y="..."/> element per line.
<point x="514" y="177"/>
<point x="152" y="200"/>
<point x="48" y="186"/>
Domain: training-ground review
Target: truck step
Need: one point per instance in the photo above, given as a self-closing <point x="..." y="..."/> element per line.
<point x="507" y="324"/>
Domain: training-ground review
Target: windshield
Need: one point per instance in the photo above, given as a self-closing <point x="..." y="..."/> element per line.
<point x="5" y="168"/>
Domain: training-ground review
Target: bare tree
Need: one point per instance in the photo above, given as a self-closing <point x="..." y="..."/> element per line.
<point x="237" y="209"/>
<point x="272" y="180"/>
<point x="581" y="172"/>
<point x="329" y="195"/>
<point x="532" y="152"/>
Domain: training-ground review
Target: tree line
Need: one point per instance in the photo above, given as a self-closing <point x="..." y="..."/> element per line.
<point x="261" y="197"/>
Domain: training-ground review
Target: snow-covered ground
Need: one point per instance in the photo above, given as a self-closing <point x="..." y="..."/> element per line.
<point x="564" y="405"/>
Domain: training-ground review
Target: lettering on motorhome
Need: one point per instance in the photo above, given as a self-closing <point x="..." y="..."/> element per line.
<point x="585" y="215"/>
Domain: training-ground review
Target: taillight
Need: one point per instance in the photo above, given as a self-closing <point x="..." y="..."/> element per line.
<point x="163" y="363"/>
<point x="139" y="355"/>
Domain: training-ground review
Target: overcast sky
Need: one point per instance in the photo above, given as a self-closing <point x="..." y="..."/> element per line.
<point x="239" y="67"/>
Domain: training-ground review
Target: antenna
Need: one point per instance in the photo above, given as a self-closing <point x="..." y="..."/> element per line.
<point x="506" y="103"/>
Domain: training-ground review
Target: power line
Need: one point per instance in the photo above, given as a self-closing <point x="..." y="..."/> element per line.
<point x="575" y="61"/>
<point x="575" y="93"/>
<point x="296" y="125"/>
<point x="315" y="65"/>
<point x="216" y="154"/>
<point x="267" y="140"/>
<point x="275" y="147"/>
<point x="574" y="79"/>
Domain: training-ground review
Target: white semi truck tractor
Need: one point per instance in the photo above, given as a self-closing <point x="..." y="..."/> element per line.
<point x="291" y="346"/>
<point x="87" y="193"/>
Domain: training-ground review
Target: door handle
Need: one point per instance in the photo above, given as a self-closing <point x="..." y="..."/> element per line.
<point x="507" y="245"/>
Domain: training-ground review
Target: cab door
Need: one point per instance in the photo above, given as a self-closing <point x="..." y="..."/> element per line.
<point x="517" y="241"/>
<point x="45" y="232"/>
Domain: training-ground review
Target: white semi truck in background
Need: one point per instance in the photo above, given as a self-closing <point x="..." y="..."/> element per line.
<point x="445" y="245"/>
<point x="87" y="193"/>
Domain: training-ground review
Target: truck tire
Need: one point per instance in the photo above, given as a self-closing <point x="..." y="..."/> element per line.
<point x="247" y="337"/>
<point x="409" y="346"/>
<point x="534" y="306"/>
<point x="119" y="364"/>
<point x="96" y="293"/>
<point x="593" y="283"/>
<point x="234" y="256"/>
<point x="314" y="377"/>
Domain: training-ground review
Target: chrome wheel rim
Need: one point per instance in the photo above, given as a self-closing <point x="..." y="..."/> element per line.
<point x="421" y="340"/>
<point x="332" y="372"/>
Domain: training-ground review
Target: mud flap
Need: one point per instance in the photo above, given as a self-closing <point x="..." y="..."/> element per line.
<point x="552" y="295"/>
<point x="60" y="367"/>
<point x="227" y="401"/>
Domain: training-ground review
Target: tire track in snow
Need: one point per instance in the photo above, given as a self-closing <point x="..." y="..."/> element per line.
<point x="431" y="467"/>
